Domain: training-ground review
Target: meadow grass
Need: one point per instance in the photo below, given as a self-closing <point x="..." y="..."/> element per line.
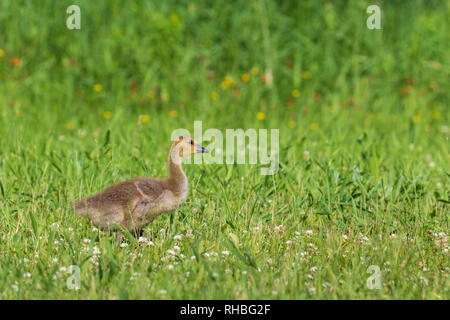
<point x="363" y="119"/>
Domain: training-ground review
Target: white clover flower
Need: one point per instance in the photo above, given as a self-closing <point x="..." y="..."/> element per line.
<point x="306" y="155"/>
<point x="309" y="233"/>
<point x="171" y="252"/>
<point x="94" y="229"/>
<point x="178" y="237"/>
<point x="345" y="236"/>
<point x="124" y="245"/>
<point x="170" y="267"/>
<point x="313" y="269"/>
<point x="279" y="229"/>
<point x="142" y="239"/>
<point x="225" y="252"/>
<point x="27" y="275"/>
<point x="95" y="250"/>
<point x="87" y="240"/>
<point x="55" y="260"/>
<point x="176" y="248"/>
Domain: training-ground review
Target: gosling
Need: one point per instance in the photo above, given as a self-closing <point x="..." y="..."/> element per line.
<point x="133" y="204"/>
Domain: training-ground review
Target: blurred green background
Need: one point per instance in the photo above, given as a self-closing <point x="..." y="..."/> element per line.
<point x="363" y="118"/>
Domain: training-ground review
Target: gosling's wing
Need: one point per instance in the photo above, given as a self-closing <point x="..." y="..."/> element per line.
<point x="118" y="195"/>
<point x="149" y="189"/>
<point x="123" y="195"/>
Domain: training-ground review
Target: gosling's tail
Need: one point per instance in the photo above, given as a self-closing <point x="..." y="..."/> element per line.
<point x="81" y="207"/>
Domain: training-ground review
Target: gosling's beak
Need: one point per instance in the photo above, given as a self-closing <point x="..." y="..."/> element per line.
<point x="200" y="149"/>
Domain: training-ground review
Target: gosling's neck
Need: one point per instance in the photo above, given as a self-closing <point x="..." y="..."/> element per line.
<point x="177" y="180"/>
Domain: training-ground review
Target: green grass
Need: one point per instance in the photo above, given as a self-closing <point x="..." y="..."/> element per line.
<point x="363" y="148"/>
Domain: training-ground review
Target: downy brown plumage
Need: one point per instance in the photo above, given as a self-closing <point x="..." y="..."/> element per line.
<point x="135" y="203"/>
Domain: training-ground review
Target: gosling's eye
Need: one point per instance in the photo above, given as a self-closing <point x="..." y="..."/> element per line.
<point x="191" y="142"/>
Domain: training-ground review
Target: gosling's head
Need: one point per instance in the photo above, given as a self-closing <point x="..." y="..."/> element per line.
<point x="185" y="145"/>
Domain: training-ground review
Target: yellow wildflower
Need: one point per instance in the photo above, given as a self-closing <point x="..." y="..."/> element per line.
<point x="145" y="118"/>
<point x="295" y="93"/>
<point x="260" y="116"/>
<point x="314" y="126"/>
<point x="291" y="124"/>
<point x="255" y="71"/>
<point x="2" y="53"/>
<point x="98" y="87"/>
<point x="70" y="126"/>
<point x="306" y="75"/>
<point x="227" y="82"/>
<point x="214" y="95"/>
<point x="245" y="77"/>
<point x="173" y="113"/>
<point x="107" y="114"/>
